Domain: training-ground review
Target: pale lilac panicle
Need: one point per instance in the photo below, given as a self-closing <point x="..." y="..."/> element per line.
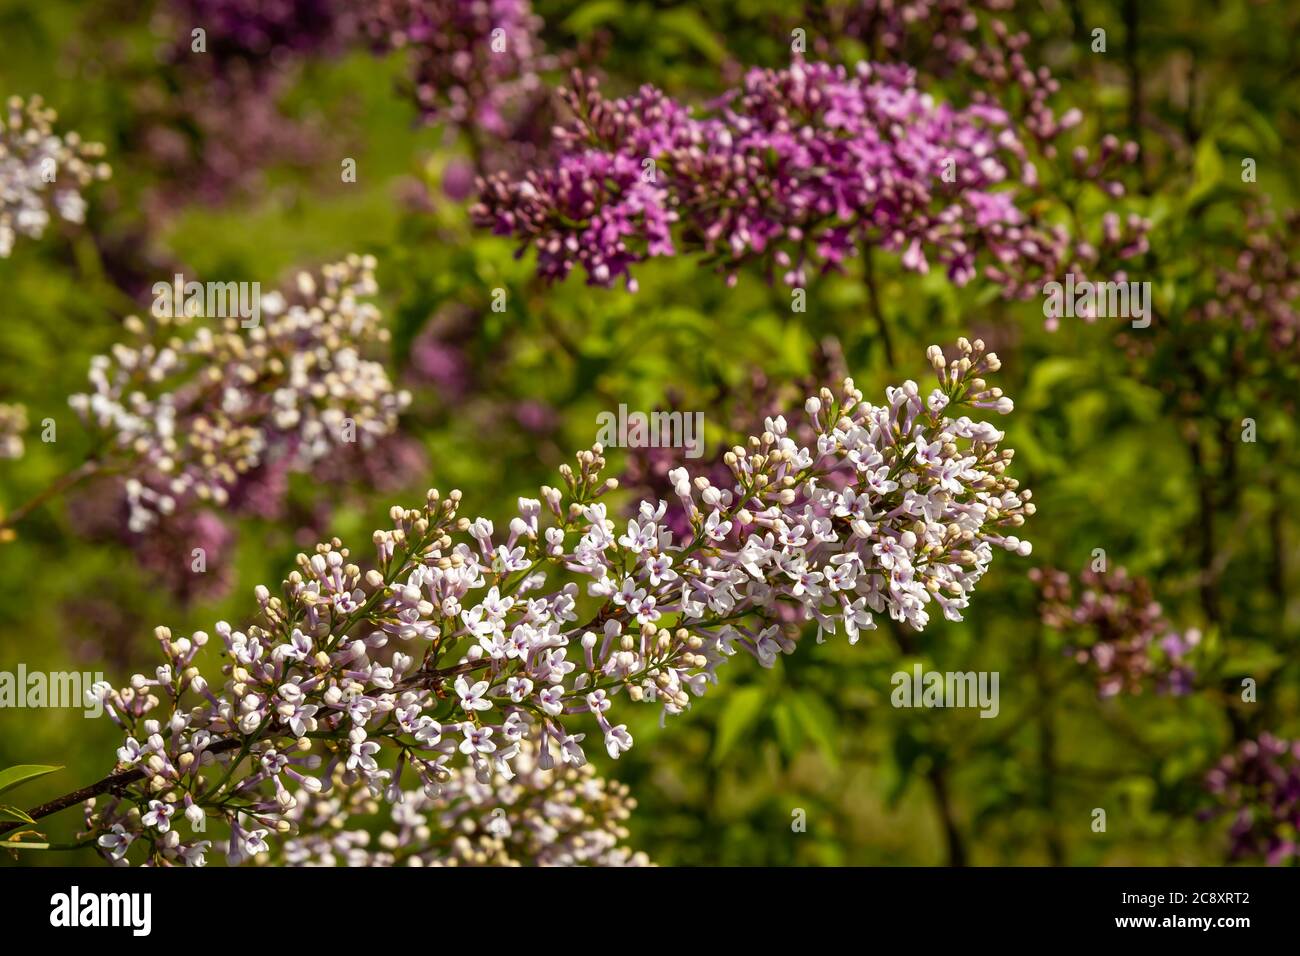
<point x="755" y="398"/>
<point x="201" y="402"/>
<point x="42" y="173"/>
<point x="566" y="816"/>
<point x="797" y="169"/>
<point x="1258" y="787"/>
<point x="466" y="644"/>
<point x="13" y="422"/>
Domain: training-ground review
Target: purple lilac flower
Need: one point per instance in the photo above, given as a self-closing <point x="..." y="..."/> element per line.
<point x="797" y="169"/>
<point x="1260" y="290"/>
<point x="168" y="553"/>
<point x="1258" y="787"/>
<point x="757" y="398"/>
<point x="263" y="31"/>
<point x="1117" y="631"/>
<point x="473" y="61"/>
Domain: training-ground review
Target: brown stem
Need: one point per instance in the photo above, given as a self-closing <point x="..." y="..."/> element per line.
<point x="1277" y="546"/>
<point x="112" y="782"/>
<point x="1205" y="492"/>
<point x="119" y="780"/>
<point x="1134" y="86"/>
<point x="873" y="300"/>
<point x="937" y="775"/>
<point x="56" y="487"/>
<point x="952" y="836"/>
<point x="1047" y="753"/>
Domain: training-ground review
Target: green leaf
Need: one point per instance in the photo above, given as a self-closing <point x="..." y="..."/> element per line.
<point x="741" y="713"/>
<point x="818" y="722"/>
<point x="22" y="773"/>
<point x="688" y="25"/>
<point x="19" y="845"/>
<point x="13" y="813"/>
<point x="789" y="733"/>
<point x="1207" y="171"/>
<point x="589" y="16"/>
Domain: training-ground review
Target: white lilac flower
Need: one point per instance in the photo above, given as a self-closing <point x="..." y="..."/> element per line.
<point x="13" y="422"/>
<point x="822" y="538"/>
<point x="42" y="172"/>
<point x="200" y="402"/>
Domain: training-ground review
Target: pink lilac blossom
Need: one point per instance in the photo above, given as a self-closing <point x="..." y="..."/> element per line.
<point x="42" y="173"/>
<point x="1118" y="631"/>
<point x="1260" y="290"/>
<point x="463" y="646"/>
<point x="190" y="410"/>
<point x="168" y="553"/>
<point x="473" y="61"/>
<point x="797" y="169"/>
<point x="1258" y="787"/>
<point x="188" y="552"/>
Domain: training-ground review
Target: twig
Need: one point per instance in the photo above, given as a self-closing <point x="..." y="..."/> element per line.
<point x="112" y="782"/>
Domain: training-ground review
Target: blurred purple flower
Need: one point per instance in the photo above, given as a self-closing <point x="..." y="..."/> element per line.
<point x="1258" y="786"/>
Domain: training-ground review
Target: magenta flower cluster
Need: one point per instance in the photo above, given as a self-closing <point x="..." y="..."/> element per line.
<point x="1258" y="787"/>
<point x="473" y="61"/>
<point x="798" y="169"/>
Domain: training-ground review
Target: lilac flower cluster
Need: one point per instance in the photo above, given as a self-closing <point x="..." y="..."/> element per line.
<point x="566" y="816"/>
<point x="455" y="646"/>
<point x="797" y="169"/>
<point x="971" y="41"/>
<point x="185" y="133"/>
<point x="474" y="61"/>
<point x="1260" y="290"/>
<point x="1119" y="632"/>
<point x="756" y="398"/>
<point x="253" y="53"/>
<point x="42" y="173"/>
<point x="13" y="422"/>
<point x="263" y="31"/>
<point x="890" y="27"/>
<point x="187" y="416"/>
<point x="1258" y="786"/>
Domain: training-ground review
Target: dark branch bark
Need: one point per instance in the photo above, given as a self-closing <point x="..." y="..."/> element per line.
<point x="108" y="784"/>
